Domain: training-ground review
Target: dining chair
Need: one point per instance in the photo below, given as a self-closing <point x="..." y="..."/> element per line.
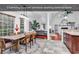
<point x="33" y="37"/>
<point x="4" y="45"/>
<point x="26" y="40"/>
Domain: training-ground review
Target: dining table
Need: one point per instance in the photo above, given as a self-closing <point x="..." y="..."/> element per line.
<point x="14" y="38"/>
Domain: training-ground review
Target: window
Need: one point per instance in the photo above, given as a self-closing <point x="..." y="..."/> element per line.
<point x="6" y="24"/>
<point x="21" y="25"/>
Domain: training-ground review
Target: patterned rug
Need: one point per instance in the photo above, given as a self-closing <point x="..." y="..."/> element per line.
<point x="42" y="46"/>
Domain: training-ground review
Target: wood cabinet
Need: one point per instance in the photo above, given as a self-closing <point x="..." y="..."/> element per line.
<point x="72" y="42"/>
<point x="56" y="36"/>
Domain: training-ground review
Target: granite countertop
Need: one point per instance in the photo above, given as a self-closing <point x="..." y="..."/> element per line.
<point x="72" y="32"/>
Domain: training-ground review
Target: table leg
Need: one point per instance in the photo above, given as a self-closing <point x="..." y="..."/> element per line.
<point x="16" y="47"/>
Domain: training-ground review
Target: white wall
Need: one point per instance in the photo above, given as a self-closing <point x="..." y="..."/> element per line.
<point x="74" y="17"/>
<point x="41" y="17"/>
<point x="57" y="17"/>
<point x="26" y="24"/>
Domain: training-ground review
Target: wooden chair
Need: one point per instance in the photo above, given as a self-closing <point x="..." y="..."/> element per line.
<point x="26" y="40"/>
<point x="4" y="46"/>
<point x="33" y="37"/>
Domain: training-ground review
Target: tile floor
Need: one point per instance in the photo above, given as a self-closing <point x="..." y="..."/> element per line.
<point x="42" y="46"/>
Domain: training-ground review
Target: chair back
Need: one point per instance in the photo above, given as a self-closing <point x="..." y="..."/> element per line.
<point x="2" y="43"/>
<point x="27" y="37"/>
<point x="33" y="35"/>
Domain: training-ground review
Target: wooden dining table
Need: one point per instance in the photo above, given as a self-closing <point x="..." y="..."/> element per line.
<point x="14" y="38"/>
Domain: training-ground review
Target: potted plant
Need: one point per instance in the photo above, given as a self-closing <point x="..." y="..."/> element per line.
<point x="35" y="25"/>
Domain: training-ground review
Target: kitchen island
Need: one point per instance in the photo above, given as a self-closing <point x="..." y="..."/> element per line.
<point x="71" y="40"/>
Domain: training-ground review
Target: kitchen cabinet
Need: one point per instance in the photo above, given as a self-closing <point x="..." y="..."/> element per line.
<point x="71" y="40"/>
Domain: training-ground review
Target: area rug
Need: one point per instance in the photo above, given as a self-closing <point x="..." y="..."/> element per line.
<point x="42" y="46"/>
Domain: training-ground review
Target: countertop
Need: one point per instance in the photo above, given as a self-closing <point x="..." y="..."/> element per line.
<point x="72" y="32"/>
